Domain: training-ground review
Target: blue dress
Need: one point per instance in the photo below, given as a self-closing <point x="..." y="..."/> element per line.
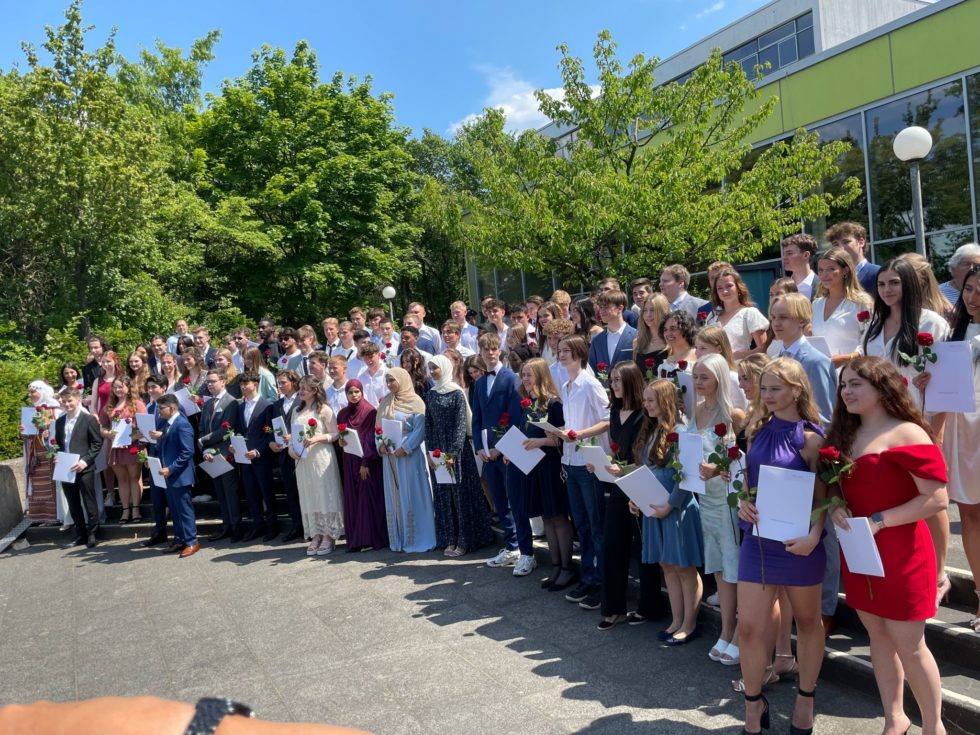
<point x="408" y="494"/>
<point x="676" y="539"/>
<point x="765" y="561"/>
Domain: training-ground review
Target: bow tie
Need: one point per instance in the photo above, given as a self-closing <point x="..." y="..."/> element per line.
<point x="491" y="372"/>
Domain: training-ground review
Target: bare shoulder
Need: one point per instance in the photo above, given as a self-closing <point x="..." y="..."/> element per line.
<point x="906" y="433"/>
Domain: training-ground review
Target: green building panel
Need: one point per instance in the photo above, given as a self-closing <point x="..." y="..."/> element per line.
<point x="939" y="45"/>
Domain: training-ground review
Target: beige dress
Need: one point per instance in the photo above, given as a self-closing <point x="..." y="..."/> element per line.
<point x="321" y="497"/>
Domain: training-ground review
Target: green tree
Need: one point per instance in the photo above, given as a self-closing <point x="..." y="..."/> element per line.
<point x="651" y="175"/>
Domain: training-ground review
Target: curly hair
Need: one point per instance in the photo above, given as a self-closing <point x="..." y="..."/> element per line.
<point x="654" y="430"/>
<point x="685" y="322"/>
<point x="129" y="402"/>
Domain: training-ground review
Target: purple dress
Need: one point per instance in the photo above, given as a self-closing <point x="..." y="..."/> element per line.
<point x="365" y="523"/>
<point x="765" y="561"/>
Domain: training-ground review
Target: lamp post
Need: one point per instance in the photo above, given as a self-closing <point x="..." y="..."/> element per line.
<point x="389" y="293"/>
<point x="912" y="145"/>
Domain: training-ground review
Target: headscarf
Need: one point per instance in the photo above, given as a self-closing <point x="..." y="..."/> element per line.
<point x="446" y="384"/>
<point x="47" y="398"/>
<point x="405" y="399"/>
<point x="351" y="414"/>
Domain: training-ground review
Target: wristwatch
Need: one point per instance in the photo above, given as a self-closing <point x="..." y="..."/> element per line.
<point x="210" y="711"/>
<point x="878" y="519"/>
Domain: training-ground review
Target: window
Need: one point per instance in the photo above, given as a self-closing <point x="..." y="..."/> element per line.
<point x="850" y="164"/>
<point x="779" y="47"/>
<point x="973" y="95"/>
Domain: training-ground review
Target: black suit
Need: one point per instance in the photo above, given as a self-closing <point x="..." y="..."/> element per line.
<point x="91" y="371"/>
<point x="287" y="465"/>
<point x="257" y="476"/>
<point x="211" y="436"/>
<point x="209" y="357"/>
<point x="86" y="442"/>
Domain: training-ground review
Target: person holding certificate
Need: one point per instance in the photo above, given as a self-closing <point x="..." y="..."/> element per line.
<point x="364" y="496"/>
<point x="121" y="408"/>
<point x="897" y="479"/>
<point x="787" y="435"/>
<point x="78" y="432"/>
<point x="961" y="435"/>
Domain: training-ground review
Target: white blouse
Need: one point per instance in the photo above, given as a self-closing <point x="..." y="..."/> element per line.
<point x="841" y="329"/>
<point x="741" y="326"/>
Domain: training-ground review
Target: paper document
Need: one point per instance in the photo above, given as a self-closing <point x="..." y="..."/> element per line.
<point x="217" y="466"/>
<point x="820" y="343"/>
<point x="352" y="443"/>
<point x="443" y="475"/>
<point x="154" y="464"/>
<point x="691" y="454"/>
<point x="511" y="445"/>
<point x="186" y="402"/>
<point x="27" y="419"/>
<point x="951" y="386"/>
<point x="279" y="427"/>
<point x="784" y="502"/>
<point x="241" y="449"/>
<point x="146" y="422"/>
<point x="544" y="425"/>
<point x="393" y="430"/>
<point x="597" y="457"/>
<point x="644" y="489"/>
<point x="124" y="434"/>
<point x="296" y="437"/>
<point x="62" y="466"/>
<point x="859" y="547"/>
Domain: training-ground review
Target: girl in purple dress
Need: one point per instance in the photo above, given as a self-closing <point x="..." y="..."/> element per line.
<point x="787" y="434"/>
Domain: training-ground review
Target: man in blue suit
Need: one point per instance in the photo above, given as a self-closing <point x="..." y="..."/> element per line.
<point x="854" y="239"/>
<point x="253" y="416"/>
<point x="489" y="401"/>
<point x="156" y="388"/>
<point x="615" y="343"/>
<point x="177" y="467"/>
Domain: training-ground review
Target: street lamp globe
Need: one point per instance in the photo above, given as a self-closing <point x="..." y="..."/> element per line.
<point x="912" y="144"/>
<point x="388" y="292"/>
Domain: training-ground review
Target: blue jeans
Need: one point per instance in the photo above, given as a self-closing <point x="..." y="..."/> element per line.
<point x="586" y="502"/>
<point x="517" y="498"/>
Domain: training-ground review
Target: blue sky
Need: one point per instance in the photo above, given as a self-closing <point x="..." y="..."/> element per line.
<point x="442" y="59"/>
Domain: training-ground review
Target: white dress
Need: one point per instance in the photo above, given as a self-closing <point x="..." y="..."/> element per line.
<point x="321" y="496"/>
<point x="841" y="329"/>
<point x="962" y="437"/>
<point x="741" y="326"/>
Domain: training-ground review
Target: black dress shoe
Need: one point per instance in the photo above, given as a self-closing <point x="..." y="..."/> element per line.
<point x="237" y="535"/>
<point x="222" y="534"/>
<point x="270" y="534"/>
<point x="254" y="534"/>
<point x="292" y="534"/>
<point x="92" y="542"/>
<point x="79" y="541"/>
<point x="154" y="541"/>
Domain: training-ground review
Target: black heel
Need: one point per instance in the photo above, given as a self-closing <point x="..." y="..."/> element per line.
<point x="793" y="729"/>
<point x="764" y="720"/>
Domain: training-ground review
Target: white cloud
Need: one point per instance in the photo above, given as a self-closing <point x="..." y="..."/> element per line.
<point x="711" y="9"/>
<point x="515" y="96"/>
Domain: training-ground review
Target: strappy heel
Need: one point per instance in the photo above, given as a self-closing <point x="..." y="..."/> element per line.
<point x="133" y="517"/>
<point x="764" y="720"/>
<point x="793" y="729"/>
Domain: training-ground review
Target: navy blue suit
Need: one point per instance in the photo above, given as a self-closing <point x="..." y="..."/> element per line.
<point x="631" y="317"/>
<point x="176" y="448"/>
<point x="487" y="410"/>
<point x="823" y="379"/>
<point x="158" y="495"/>
<point x="599" y="349"/>
<point x="287" y="465"/>
<point x="257" y="476"/>
<point x="868" y="277"/>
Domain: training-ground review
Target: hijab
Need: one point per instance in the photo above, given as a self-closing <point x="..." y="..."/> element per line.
<point x="355" y="414"/>
<point x="446" y="384"/>
<point x="47" y="398"/>
<point x="405" y="399"/>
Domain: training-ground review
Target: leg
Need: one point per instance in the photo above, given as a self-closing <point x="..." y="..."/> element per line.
<point x="889" y="674"/>
<point x="692" y="589"/>
<point x="675" y="593"/>
<point x="652" y="603"/>
<point x="595" y="506"/>
<point x="134" y="478"/>
<point x="515" y="487"/>
<point x="176" y="517"/>
<point x="263" y="474"/>
<point x="577" y="503"/>
<point x="563" y="533"/>
<point x="831" y="574"/>
<point x="73" y="496"/>
<point x="288" y="473"/>
<point x="727" y="597"/>
<point x="970" y="520"/>
<point x="617" y="536"/>
<point x="494" y="474"/>
<point x="159" y="498"/>
<point x="253" y="494"/>
<point x="810" y="641"/>
<point x="184" y="509"/>
<point x="756" y="604"/>
<point x="908" y="638"/>
<point x="90" y="501"/>
<point x="118" y="473"/>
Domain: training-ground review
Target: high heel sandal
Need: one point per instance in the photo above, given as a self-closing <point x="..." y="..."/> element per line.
<point x="793" y="729"/>
<point x="975" y="623"/>
<point x="124" y="521"/>
<point x="793" y="670"/>
<point x="136" y="518"/>
<point x="764" y="719"/>
<point x="943" y="586"/>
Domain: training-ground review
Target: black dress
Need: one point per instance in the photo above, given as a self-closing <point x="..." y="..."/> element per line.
<point x="650" y="369"/>
<point x="545" y="491"/>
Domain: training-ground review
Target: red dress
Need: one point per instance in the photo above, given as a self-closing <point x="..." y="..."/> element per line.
<point x="878" y="482"/>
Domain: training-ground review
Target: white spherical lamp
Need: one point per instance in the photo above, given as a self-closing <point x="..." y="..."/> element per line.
<point x="388" y="292"/>
<point x="912" y="144"/>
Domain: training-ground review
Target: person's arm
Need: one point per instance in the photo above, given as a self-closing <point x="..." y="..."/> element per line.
<point x="415" y="434"/>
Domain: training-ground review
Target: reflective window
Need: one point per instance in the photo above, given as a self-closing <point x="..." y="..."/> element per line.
<point x="849" y="164"/>
<point x="973" y="94"/>
<point x="779" y="47"/>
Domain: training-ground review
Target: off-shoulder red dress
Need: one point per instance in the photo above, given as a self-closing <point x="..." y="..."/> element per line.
<point x="878" y="482"/>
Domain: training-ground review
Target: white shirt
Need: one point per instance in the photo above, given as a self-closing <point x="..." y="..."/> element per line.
<point x="612" y="340"/>
<point x="776" y="349"/>
<point x="463" y="351"/>
<point x="238" y="361"/>
<point x="287" y="403"/>
<point x="841" y="329"/>
<point x="337" y="397"/>
<point x="435" y="337"/>
<point x="585" y="403"/>
<point x="374" y="386"/>
<point x="740" y="327"/>
<point x="807" y="285"/>
<point x="249" y="408"/>
<point x="468" y="337"/>
<point x="492" y="377"/>
<point x="69" y="428"/>
<point x="354" y="366"/>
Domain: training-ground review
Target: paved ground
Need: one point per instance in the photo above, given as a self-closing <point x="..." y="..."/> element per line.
<point x="388" y="643"/>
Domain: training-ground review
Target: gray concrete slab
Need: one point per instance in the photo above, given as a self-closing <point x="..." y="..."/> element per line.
<point x="380" y="641"/>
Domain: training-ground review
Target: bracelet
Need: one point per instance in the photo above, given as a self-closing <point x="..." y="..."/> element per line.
<point x="210" y="711"/>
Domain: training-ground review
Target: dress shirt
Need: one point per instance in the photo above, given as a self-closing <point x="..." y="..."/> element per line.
<point x="468" y="337"/>
<point x="676" y="304"/>
<point x="612" y="340"/>
<point x="249" y="408"/>
<point x="492" y="375"/>
<point x="337" y="397"/>
<point x="585" y="403"/>
<point x="287" y="403"/>
<point x="238" y="361"/>
<point x="807" y="285"/>
<point x="374" y="386"/>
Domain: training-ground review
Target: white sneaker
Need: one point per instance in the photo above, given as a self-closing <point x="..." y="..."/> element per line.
<point x="506" y="558"/>
<point x="525" y="565"/>
<point x="712" y="600"/>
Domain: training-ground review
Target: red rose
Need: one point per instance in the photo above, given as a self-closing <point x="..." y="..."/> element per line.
<point x="649" y="363"/>
<point x="602" y="367"/>
<point x="225" y="425"/>
<point x="129" y="421"/>
<point x="614" y="447"/>
<point x="387" y="345"/>
<point x="187" y="381"/>
<point x="267" y="353"/>
<point x="199" y="401"/>
<point x="830" y="453"/>
<point x="863" y="316"/>
<point x="505" y="419"/>
<point x="341" y="427"/>
<point x="79" y="386"/>
<point x="383" y="356"/>
<point x="572" y="434"/>
<point x="230" y="457"/>
<point x="905" y="381"/>
<point x="311" y="422"/>
<point x="673" y="438"/>
<point x="924" y="339"/>
<point x="379" y="431"/>
<point x="682" y="364"/>
<point x="525" y="403"/>
<point x="436" y="453"/>
<point x="133" y="449"/>
<point x="721" y="430"/>
<point x="734" y="452"/>
<point x="267" y="429"/>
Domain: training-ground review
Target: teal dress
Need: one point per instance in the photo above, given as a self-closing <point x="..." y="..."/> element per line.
<point x="408" y="492"/>
<point x="676" y="539"/>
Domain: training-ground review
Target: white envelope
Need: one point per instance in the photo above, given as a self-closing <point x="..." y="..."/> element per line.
<point x="859" y="548"/>
<point x="784" y="502"/>
<point x="124" y="434"/>
<point x="154" y="464"/>
<point x="393" y="430"/>
<point x="352" y="443"/>
<point x="217" y="466"/>
<point x="27" y="419"/>
<point x="146" y="423"/>
<point x="596" y="456"/>
<point x="690" y="451"/>
<point x="443" y="475"/>
<point x="644" y="489"/>
<point x="187" y="403"/>
<point x="278" y="424"/>
<point x="951" y="387"/>
<point x="238" y="444"/>
<point x="62" y="467"/>
<point x="511" y="445"/>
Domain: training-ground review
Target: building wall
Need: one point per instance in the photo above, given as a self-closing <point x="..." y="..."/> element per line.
<point x="842" y="20"/>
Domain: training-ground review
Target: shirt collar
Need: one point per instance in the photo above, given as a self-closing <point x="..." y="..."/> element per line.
<point x="679" y="299"/>
<point x="173" y="418"/>
<point x="795" y="347"/>
<point x="622" y="327"/>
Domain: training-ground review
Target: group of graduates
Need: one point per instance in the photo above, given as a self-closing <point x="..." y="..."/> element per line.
<point x="389" y="439"/>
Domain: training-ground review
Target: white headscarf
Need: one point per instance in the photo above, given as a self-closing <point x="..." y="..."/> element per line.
<point x="446" y="384"/>
<point x="47" y="398"/>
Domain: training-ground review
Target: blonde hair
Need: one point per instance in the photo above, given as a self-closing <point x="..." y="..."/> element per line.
<point x="791" y="372"/>
<point x="722" y="413"/>
<point x="231" y="371"/>
<point x="544" y="384"/>
<point x="654" y="430"/>
<point x="717" y="337"/>
<point x="644" y="335"/>
<point x="561" y="298"/>
<point x="932" y="297"/>
<point x="798" y="305"/>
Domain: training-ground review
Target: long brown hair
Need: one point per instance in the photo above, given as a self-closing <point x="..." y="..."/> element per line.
<point x="656" y="430"/>
<point x="631" y="379"/>
<point x="130" y="400"/>
<point x="895" y="399"/>
<point x="744" y="298"/>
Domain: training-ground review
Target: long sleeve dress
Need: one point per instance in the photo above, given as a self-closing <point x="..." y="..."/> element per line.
<point x="408" y="493"/>
<point x="364" y="500"/>
<point x="461" y="515"/>
<point x="318" y="479"/>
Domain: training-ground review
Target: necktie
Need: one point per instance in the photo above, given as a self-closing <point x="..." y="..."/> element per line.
<point x="306" y="368"/>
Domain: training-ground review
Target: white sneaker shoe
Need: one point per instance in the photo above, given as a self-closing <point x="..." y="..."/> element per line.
<point x="712" y="599"/>
<point x="525" y="565"/>
<point x="506" y="558"/>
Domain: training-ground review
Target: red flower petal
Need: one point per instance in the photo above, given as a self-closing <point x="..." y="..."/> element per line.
<point x="924" y="339"/>
<point x="437" y="453"/>
<point x="673" y="437"/>
<point x="311" y="422"/>
<point x="682" y="364"/>
<point x="721" y="430"/>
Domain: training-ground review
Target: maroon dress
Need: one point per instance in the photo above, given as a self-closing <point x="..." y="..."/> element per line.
<point x="366" y="526"/>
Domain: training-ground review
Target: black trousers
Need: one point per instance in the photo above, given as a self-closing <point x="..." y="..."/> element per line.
<point x="621" y="536"/>
<point x="82" y="503"/>
<point x="287" y="471"/>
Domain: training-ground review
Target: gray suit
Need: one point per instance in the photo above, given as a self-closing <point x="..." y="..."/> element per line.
<point x="690" y="304"/>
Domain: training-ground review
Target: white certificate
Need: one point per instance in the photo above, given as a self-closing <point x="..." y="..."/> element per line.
<point x="511" y="445"/>
<point x="352" y="443"/>
<point x="784" y="502"/>
<point x="820" y="343"/>
<point x="217" y="466"/>
<point x="146" y="422"/>
<point x="154" y="464"/>
<point x="859" y="547"/>
<point x="476" y="454"/>
<point x="597" y="457"/>
<point x="241" y="449"/>
<point x="690" y="453"/>
<point x="686" y="381"/>
<point x="443" y="475"/>
<point x="544" y="425"/>
<point x="392" y="429"/>
<point x="186" y="402"/>
<point x="644" y="489"/>
<point x="124" y="433"/>
<point x="279" y="427"/>
<point x="296" y="438"/>
<point x="63" y="464"/>
<point x="27" y="419"/>
<point x="951" y="386"/>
